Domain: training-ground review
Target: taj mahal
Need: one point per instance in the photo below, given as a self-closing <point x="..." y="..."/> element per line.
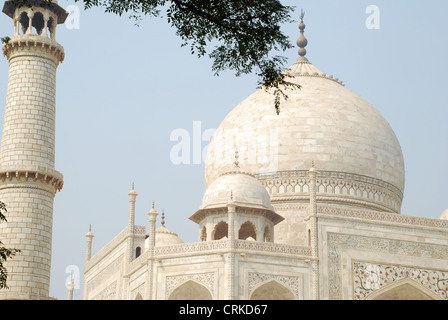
<point x="301" y="205"/>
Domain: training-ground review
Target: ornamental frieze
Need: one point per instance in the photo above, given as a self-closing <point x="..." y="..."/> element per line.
<point x="333" y="183"/>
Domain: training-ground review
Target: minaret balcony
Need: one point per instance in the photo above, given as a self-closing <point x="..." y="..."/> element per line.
<point x="35" y="43"/>
<point x="46" y="176"/>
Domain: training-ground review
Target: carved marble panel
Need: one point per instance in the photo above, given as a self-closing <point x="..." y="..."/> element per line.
<point x="368" y="277"/>
<point x="337" y="243"/>
<point x="291" y="282"/>
<point x="208" y="280"/>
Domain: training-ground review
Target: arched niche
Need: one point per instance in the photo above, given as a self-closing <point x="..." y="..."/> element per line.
<point x="404" y="289"/>
<point x="24" y="21"/>
<point x="272" y="290"/>
<point x="38" y="22"/>
<point x="138" y="297"/>
<point x="190" y="290"/>
<point x="221" y="230"/>
<point x="247" y="230"/>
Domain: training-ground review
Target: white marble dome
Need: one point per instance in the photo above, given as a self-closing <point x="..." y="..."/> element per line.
<point x="323" y="121"/>
<point x="243" y="188"/>
<point x="165" y="237"/>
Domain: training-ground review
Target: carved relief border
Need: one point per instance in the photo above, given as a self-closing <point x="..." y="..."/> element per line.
<point x="368" y="277"/>
<point x="339" y="242"/>
<point x="208" y="280"/>
<point x="341" y="184"/>
<point x="383" y="216"/>
<point x="109" y="293"/>
<point x="291" y="282"/>
<point x="104" y="274"/>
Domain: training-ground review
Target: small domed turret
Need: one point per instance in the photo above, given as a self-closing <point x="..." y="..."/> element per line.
<point x="444" y="215"/>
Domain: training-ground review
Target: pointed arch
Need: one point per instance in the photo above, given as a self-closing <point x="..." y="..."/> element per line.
<point x="191" y="290"/>
<point x="272" y="290"/>
<point x="138" y="297"/>
<point x="38" y="22"/>
<point x="221" y="230"/>
<point x="24" y="21"/>
<point x="247" y="230"/>
<point x="404" y="289"/>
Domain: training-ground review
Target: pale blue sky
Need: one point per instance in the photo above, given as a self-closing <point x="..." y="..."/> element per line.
<point x="123" y="89"/>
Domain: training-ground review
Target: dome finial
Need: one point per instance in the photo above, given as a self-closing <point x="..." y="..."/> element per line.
<point x="163" y="218"/>
<point x="236" y="158"/>
<point x="302" y="41"/>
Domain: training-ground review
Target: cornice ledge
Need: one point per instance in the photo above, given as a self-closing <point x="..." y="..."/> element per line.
<point x="45" y="176"/>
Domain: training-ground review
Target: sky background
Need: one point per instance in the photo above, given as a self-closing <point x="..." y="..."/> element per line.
<point x="123" y="89"/>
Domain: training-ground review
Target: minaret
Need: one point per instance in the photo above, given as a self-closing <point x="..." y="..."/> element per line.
<point x="28" y="179"/>
<point x="70" y="289"/>
<point x="152" y="243"/>
<point x="131" y="224"/>
<point x="89" y="240"/>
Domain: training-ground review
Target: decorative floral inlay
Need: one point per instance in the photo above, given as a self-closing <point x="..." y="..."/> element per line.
<point x="369" y="277"/>
<point x="338" y="243"/>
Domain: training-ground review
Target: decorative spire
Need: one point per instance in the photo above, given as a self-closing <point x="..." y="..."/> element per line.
<point x="90" y="234"/>
<point x="312" y="169"/>
<point x="132" y="192"/>
<point x="153" y="211"/>
<point x="302" y="41"/>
